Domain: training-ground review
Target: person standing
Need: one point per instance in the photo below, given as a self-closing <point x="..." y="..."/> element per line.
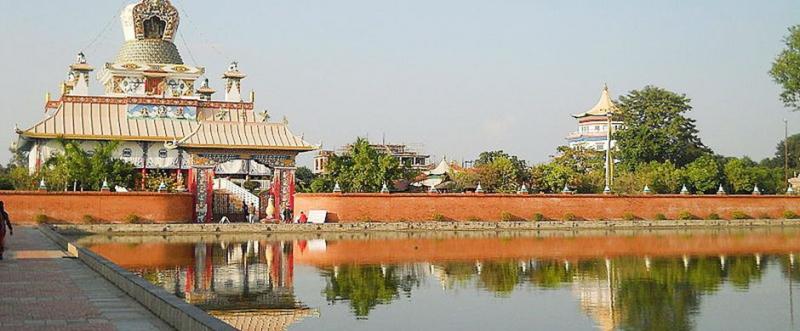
<point x="246" y="211"/>
<point x="4" y="221"/>
<point x="252" y="216"/>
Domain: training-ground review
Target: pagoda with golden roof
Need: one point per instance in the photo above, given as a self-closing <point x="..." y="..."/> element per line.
<point x="165" y="117"/>
<point x="594" y="124"/>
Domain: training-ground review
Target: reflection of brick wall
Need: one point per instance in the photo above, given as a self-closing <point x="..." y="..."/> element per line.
<point x="113" y="207"/>
<point x="421" y="207"/>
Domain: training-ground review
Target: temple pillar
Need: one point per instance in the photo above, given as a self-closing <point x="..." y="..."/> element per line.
<point x="283" y="189"/>
<point x="201" y="185"/>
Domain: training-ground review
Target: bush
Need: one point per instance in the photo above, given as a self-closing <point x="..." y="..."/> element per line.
<point x="629" y="216"/>
<point x="89" y="219"/>
<point x="790" y="215"/>
<point x="538" y="217"/>
<point x="508" y="217"/>
<point x="134" y="219"/>
<point x="474" y="219"/>
<point x="686" y="216"/>
<point x="251" y="185"/>
<point x="764" y="216"/>
<point x="740" y="215"/>
<point x="439" y="218"/>
<point x="41" y="219"/>
<point x="570" y="217"/>
<point x="713" y="217"/>
<point x="660" y="217"/>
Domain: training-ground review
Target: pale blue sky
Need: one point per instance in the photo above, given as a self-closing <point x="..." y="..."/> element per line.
<point x="460" y="77"/>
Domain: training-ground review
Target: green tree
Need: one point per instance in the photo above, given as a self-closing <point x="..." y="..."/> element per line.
<point x="5" y="179"/>
<point x="303" y="178"/>
<point x="581" y="169"/>
<point x="520" y="166"/>
<point x="786" y="69"/>
<point x="703" y="174"/>
<point x="656" y="129"/>
<point x="741" y="175"/>
<point x="794" y="154"/>
<point x="363" y="169"/>
<point x="87" y="170"/>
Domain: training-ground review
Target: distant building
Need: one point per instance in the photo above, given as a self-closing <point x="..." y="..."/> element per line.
<point x="593" y="125"/>
<point x="403" y="153"/>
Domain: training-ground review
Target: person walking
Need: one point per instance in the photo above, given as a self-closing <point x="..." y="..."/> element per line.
<point x="4" y="221"/>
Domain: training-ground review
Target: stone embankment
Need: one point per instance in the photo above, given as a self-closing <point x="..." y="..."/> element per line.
<point x="409" y="226"/>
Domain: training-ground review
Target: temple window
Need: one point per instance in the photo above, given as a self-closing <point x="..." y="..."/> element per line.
<point x="162" y="153"/>
<point x="154" y="28"/>
<point x="127" y="152"/>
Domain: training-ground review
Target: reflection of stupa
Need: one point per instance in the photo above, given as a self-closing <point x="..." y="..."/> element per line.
<point x="248" y="285"/>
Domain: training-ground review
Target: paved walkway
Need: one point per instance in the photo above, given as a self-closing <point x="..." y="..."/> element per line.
<point x="42" y="289"/>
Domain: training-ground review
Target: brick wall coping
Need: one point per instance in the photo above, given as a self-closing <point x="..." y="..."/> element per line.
<point x="171" y="309"/>
<point x="529" y="196"/>
<point x="90" y="193"/>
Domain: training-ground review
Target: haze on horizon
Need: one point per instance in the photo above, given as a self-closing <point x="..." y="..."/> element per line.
<point x="459" y="77"/>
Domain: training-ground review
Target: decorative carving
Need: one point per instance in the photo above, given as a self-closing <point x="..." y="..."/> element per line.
<point x="155" y="19"/>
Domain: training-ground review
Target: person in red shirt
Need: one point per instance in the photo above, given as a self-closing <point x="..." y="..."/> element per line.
<point x="4" y="221"/>
<point x="303" y="218"/>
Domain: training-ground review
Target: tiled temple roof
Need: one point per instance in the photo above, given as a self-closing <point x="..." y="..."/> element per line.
<point x="110" y="121"/>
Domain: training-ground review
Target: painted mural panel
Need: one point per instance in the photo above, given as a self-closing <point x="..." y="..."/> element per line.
<point x="143" y="111"/>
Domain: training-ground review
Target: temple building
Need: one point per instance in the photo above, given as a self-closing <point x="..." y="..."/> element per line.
<point x="593" y="125"/>
<point x="163" y="113"/>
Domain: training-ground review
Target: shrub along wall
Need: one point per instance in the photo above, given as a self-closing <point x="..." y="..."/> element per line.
<point x="86" y="207"/>
<point x="490" y="207"/>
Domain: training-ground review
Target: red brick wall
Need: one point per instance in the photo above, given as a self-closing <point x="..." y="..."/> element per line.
<point x="23" y="207"/>
<point x="423" y="207"/>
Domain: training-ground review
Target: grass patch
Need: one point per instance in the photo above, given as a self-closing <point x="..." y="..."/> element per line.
<point x="474" y="219"/>
<point x="740" y="215"/>
<point x="764" y="216"/>
<point x="713" y="217"/>
<point x="660" y="217"/>
<point x="629" y="216"/>
<point x="538" y="217"/>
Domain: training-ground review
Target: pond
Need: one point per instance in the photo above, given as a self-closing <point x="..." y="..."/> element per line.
<point x="720" y="279"/>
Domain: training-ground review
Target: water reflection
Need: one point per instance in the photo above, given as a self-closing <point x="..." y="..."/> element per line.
<point x="250" y="283"/>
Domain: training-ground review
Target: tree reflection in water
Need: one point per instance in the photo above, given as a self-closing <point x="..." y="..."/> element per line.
<point x="365" y="287"/>
<point x="620" y="292"/>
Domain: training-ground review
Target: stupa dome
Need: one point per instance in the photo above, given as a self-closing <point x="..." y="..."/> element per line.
<point x="150" y="27"/>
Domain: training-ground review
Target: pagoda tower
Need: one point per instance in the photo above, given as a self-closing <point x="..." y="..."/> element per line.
<point x="594" y="124"/>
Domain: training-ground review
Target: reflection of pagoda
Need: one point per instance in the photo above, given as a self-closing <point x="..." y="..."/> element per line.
<point x="248" y="285"/>
<point x="597" y="297"/>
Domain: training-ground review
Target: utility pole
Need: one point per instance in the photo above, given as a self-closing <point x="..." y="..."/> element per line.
<point x="786" y="150"/>
<point x="609" y="160"/>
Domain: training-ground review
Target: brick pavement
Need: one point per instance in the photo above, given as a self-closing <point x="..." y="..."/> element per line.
<point x="41" y="288"/>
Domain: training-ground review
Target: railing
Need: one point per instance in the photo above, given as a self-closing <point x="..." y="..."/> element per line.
<point x="232" y="188"/>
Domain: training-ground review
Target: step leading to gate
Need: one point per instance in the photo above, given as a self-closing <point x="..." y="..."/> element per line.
<point x="238" y="191"/>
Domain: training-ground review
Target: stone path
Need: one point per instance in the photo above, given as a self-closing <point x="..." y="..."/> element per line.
<point x="42" y="289"/>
